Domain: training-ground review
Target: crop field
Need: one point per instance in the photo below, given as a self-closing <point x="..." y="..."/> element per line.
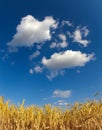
<point x="85" y="116"/>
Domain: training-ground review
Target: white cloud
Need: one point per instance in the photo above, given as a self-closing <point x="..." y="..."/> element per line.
<point x="62" y="37"/>
<point x="66" y="59"/>
<point x="53" y="74"/>
<point x="31" y="30"/>
<point x="62" y="44"/>
<point x="34" y="55"/>
<point x="85" y="31"/>
<point x="61" y="103"/>
<point x="62" y="93"/>
<point x="54" y="45"/>
<point x="31" y="71"/>
<point x="70" y="35"/>
<point x="38" y="47"/>
<point x="79" y="34"/>
<point x="67" y="23"/>
<point x="78" y="71"/>
<point x="38" y="69"/>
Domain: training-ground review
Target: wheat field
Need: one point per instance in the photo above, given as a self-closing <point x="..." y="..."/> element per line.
<point x="85" y="116"/>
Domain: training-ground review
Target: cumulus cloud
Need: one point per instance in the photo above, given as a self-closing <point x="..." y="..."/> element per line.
<point x="70" y="35"/>
<point x="78" y="71"/>
<point x="62" y="44"/>
<point x="62" y="93"/>
<point x="54" y="45"/>
<point x="36" y="69"/>
<point x="62" y="37"/>
<point x="34" y="55"/>
<point x="33" y="32"/>
<point x="61" y="103"/>
<point x="79" y="34"/>
<point x="66" y="59"/>
<point x="53" y="74"/>
<point x="30" y="31"/>
<point x="31" y="71"/>
<point x="66" y="22"/>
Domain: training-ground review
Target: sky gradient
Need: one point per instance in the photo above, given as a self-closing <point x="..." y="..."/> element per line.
<point x="50" y="51"/>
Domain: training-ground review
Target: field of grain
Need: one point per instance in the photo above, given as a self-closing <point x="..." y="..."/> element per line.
<point x="85" y="116"/>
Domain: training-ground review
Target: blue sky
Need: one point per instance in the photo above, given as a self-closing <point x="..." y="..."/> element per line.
<point x="50" y="51"/>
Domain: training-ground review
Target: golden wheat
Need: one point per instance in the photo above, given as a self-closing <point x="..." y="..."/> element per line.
<point x="86" y="116"/>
